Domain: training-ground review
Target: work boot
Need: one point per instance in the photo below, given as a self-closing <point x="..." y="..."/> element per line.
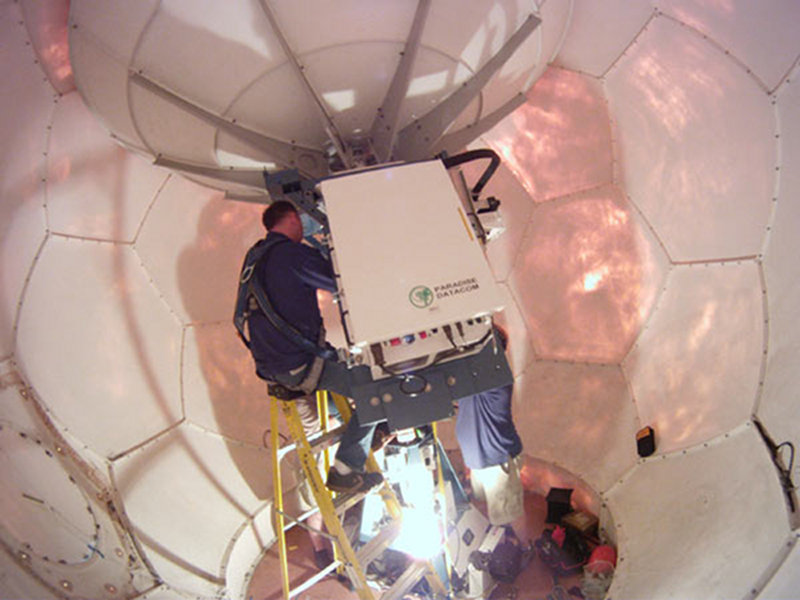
<point x="353" y="482"/>
<point x="382" y="437"/>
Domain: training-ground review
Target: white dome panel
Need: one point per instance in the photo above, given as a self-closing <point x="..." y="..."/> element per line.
<point x="42" y="506"/>
<point x="192" y="243"/>
<point x="220" y="388"/>
<point x="559" y="141"/>
<point x="694" y="371"/>
<point x="169" y="130"/>
<point x="165" y="592"/>
<point x="189" y="520"/>
<point x="184" y="581"/>
<point x="592" y="411"/>
<point x="697" y="139"/>
<point x="587" y="276"/>
<point x="118" y="29"/>
<point x="228" y="49"/>
<point x="253" y="65"/>
<point x="105" y="196"/>
<point x="246" y="551"/>
<point x="519" y="352"/>
<point x="786" y="581"/>
<point x="701" y="524"/>
<point x="232" y="152"/>
<point x="345" y="22"/>
<point x="481" y="29"/>
<point x="352" y="80"/>
<point x="102" y="81"/>
<point x="46" y="23"/>
<point x="278" y="105"/>
<point x="556" y="16"/>
<point x="434" y="77"/>
<point x="23" y="124"/>
<point x="22" y="231"/>
<point x="739" y="26"/>
<point x="782" y="274"/>
<point x="20" y="583"/>
<point x="115" y="359"/>
<point x="599" y="32"/>
<point x="13" y="408"/>
<point x="516" y="75"/>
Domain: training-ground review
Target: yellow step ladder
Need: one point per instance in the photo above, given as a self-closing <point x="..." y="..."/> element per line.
<point x="347" y="559"/>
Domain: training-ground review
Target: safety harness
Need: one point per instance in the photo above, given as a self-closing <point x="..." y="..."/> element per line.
<point x="252" y="296"/>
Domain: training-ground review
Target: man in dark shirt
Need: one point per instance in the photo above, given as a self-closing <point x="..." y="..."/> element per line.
<point x="485" y="430"/>
<point x="491" y="448"/>
<point x="290" y="274"/>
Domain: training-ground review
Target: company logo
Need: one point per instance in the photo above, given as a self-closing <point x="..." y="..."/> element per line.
<point x="421" y="296"/>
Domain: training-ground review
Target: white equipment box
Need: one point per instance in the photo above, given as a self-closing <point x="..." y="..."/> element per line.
<point x="406" y="253"/>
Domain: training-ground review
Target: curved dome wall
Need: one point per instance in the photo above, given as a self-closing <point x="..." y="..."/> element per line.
<point x="651" y="194"/>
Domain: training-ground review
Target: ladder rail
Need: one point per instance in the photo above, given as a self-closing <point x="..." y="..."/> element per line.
<point x="345" y="556"/>
<point x="278" y="500"/>
<point x="299" y="523"/>
<point x="325" y="503"/>
<point x="314" y="579"/>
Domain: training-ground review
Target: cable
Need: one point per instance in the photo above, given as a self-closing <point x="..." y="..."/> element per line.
<point x="785" y="474"/>
<point x="791" y="460"/>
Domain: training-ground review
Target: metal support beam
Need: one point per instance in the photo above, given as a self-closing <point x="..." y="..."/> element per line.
<point x="313" y="161"/>
<point x="251" y="198"/>
<point x="250" y="178"/>
<point x="383" y="130"/>
<point x="327" y="122"/>
<point x="415" y="141"/>
<point x="455" y="142"/>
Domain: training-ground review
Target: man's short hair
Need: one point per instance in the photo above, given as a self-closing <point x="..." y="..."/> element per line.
<point x="276" y="212"/>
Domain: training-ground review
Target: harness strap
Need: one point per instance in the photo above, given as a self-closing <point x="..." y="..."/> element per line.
<point x="249" y="288"/>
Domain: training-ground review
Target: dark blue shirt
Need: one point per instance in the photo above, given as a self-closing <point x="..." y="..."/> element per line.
<point x="485" y="431"/>
<point x="290" y="274"/>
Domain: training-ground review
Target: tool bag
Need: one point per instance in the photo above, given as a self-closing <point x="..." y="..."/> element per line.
<point x="562" y="550"/>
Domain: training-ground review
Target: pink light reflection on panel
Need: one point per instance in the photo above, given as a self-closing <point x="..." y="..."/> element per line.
<point x="695" y="143"/>
<point x="559" y="141"/>
<point x="695" y="369"/>
<point x="590" y="407"/>
<point x="586" y="278"/>
<point x="46" y="21"/>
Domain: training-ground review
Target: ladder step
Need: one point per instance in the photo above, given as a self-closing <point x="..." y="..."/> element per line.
<point x="343" y="502"/>
<point x="406" y="581"/>
<point x="295" y="591"/>
<point x="318" y="441"/>
<point x="373" y="548"/>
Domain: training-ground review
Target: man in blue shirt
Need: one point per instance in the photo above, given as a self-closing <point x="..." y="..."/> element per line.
<point x="491" y="448"/>
<point x="290" y="273"/>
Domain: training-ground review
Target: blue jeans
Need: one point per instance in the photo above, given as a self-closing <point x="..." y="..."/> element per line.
<point x="354" y="445"/>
